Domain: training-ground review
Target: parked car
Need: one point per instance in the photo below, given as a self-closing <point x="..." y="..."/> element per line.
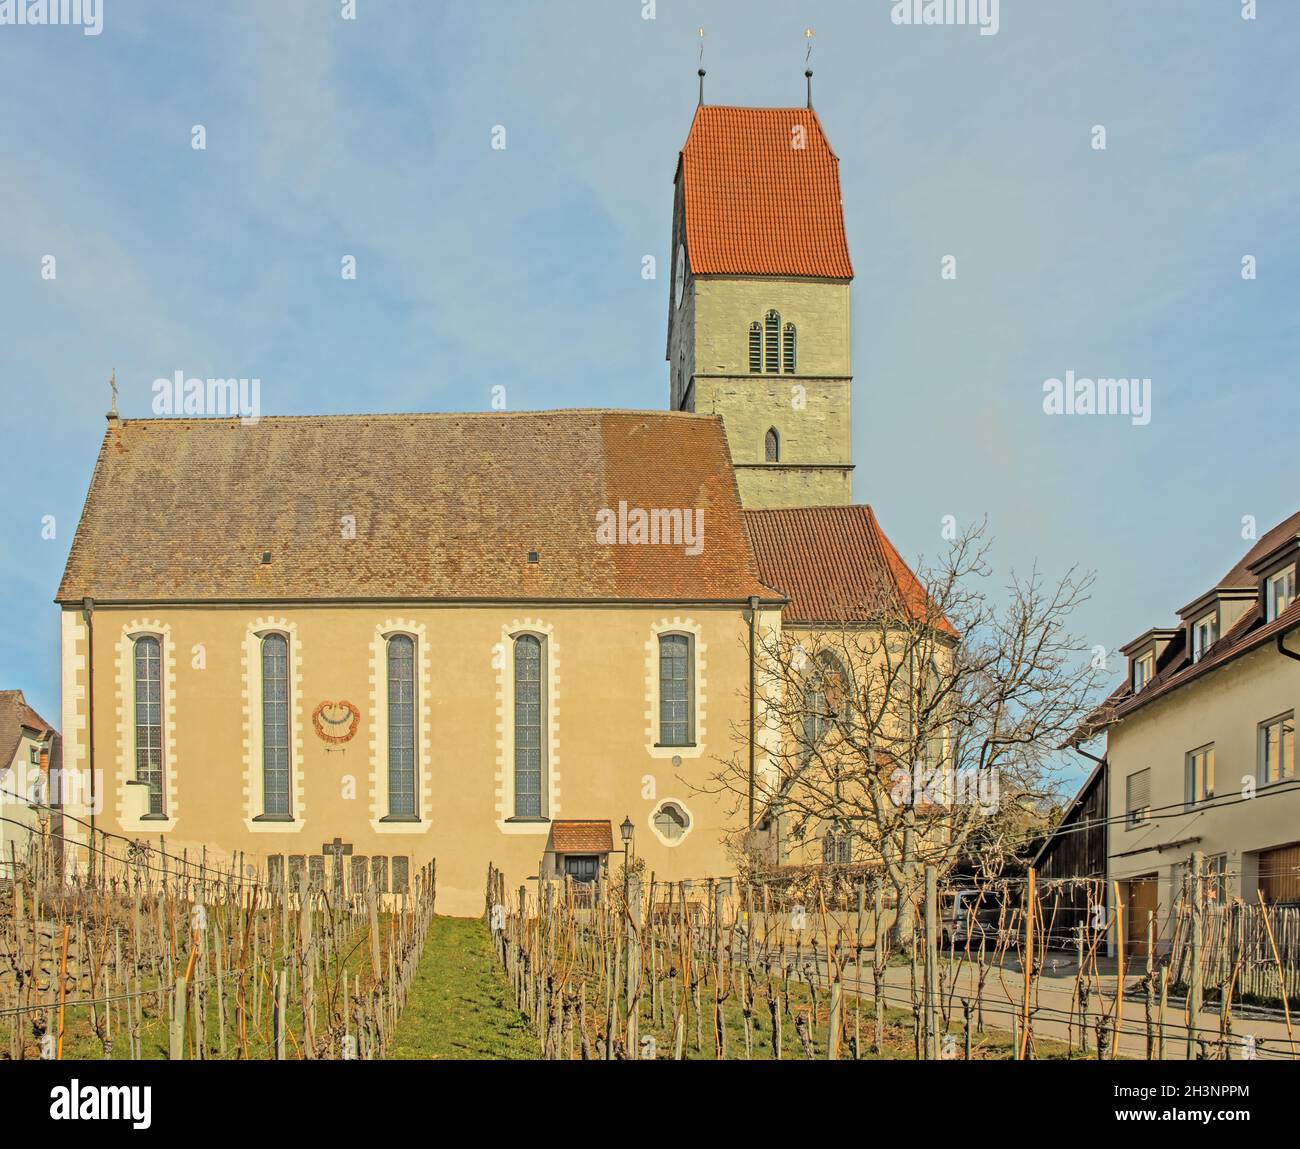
<point x="969" y="917"/>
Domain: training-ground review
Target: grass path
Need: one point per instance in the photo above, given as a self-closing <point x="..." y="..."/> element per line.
<point x="459" y="1007"/>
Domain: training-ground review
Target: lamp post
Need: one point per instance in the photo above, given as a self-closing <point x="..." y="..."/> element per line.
<point x="626" y="830"/>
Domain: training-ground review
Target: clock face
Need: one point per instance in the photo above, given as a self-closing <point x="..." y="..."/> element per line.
<point x="679" y="286"/>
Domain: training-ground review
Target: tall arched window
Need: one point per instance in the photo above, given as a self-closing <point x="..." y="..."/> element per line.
<point x="530" y="710"/>
<point x="772" y="446"/>
<point x="771" y="350"/>
<point x="825" y="698"/>
<point x="402" y="757"/>
<point x="676" y="690"/>
<point x="275" y="726"/>
<point x="148" y="720"/>
<point x="787" y="349"/>
<point x="755" y="347"/>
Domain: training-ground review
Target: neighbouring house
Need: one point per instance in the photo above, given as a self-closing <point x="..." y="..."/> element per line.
<point x="1200" y="746"/>
<point x="28" y="748"/>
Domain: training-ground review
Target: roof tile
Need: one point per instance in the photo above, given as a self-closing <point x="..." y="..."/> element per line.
<point x="756" y="202"/>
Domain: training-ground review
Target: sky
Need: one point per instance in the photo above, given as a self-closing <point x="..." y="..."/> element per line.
<point x="521" y="267"/>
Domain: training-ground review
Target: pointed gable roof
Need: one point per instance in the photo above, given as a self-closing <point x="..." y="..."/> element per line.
<point x="15" y="716"/>
<point x="835" y="564"/>
<point x="758" y="204"/>
<point x="445" y="508"/>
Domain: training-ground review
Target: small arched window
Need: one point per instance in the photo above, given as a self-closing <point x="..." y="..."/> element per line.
<point x="147" y="660"/>
<point x="788" y="349"/>
<point x="772" y="340"/>
<point x="530" y="721"/>
<point x="772" y="446"/>
<point x="401" y="727"/>
<point x="755" y="347"/>
<point x="275" y="726"/>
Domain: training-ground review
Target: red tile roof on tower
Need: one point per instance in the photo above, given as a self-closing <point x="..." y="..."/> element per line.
<point x="758" y="204"/>
<point x="836" y="566"/>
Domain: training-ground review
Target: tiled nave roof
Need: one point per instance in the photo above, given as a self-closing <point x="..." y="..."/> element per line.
<point x="444" y="506"/>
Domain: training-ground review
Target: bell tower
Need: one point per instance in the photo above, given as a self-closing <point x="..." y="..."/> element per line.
<point x="758" y="310"/>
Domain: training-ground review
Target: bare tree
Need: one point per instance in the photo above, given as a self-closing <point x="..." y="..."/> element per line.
<point x="919" y="732"/>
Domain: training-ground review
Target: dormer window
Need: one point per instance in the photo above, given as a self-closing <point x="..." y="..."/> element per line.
<point x="1144" y="669"/>
<point x="1205" y="633"/>
<point x="1279" y="592"/>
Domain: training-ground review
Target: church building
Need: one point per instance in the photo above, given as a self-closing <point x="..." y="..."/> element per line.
<point x="346" y="645"/>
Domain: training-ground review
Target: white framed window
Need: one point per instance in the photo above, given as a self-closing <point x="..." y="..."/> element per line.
<point x="1277" y="749"/>
<point x="1200" y="775"/>
<point x="676" y="690"/>
<point x="1144" y="670"/>
<point x="1279" y="592"/>
<point x="403" y="722"/>
<point x="148" y="706"/>
<point x="276" y="758"/>
<point x="1137" y="798"/>
<point x="1205" y="633"/>
<point x="530" y="726"/>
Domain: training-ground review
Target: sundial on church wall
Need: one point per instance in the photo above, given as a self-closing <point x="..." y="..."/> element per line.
<point x="336" y="723"/>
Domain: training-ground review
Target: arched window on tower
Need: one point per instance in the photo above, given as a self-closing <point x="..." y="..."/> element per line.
<point x="787" y="350"/>
<point x="771" y="350"/>
<point x="772" y="446"/>
<point x="755" y="347"/>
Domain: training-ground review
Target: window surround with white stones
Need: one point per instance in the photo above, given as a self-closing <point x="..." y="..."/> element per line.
<point x="692" y="630"/>
<point x="127" y="788"/>
<point x="256" y="821"/>
<point x="380" y="821"/>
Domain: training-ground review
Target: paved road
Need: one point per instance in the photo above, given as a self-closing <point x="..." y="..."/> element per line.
<point x="1054" y="994"/>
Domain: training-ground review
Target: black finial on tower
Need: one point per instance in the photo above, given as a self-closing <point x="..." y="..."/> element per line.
<point x="808" y="35"/>
<point x="701" y="67"/>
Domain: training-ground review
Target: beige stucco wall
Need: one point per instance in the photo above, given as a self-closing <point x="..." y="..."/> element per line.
<point x="601" y="683"/>
<point x="1224" y="707"/>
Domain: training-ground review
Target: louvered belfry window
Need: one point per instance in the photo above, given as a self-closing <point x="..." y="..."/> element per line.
<point x="755" y="347"/>
<point x="788" y="349"/>
<point x="771" y="349"/>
